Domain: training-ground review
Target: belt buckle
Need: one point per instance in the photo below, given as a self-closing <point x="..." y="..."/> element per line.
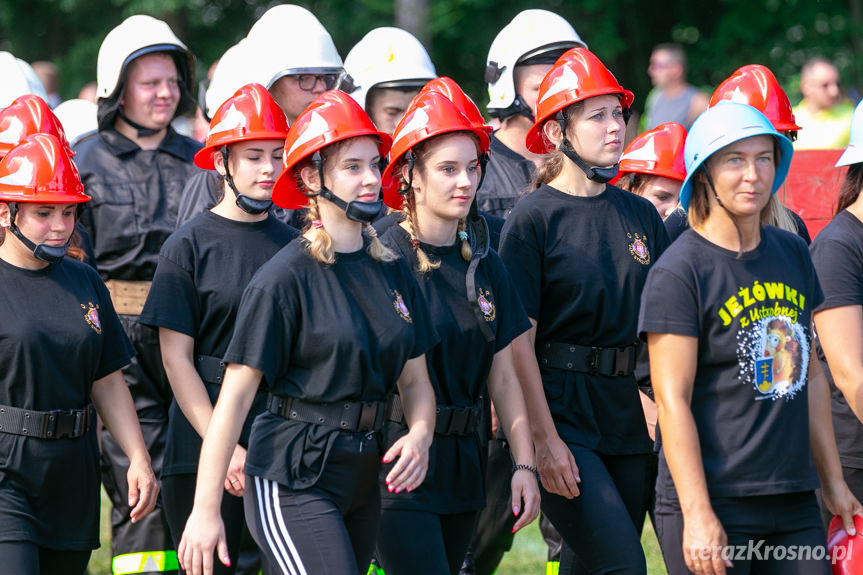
<point x="458" y="422"/>
<point x="61" y="423"/>
<point x="593" y="360"/>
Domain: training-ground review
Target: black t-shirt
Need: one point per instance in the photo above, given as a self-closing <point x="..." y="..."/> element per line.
<point x="203" y="269"/>
<point x="752" y="318"/>
<point x="323" y="334"/>
<point x="837" y="253"/>
<point x="59" y="334"/>
<point x="458" y="367"/>
<point x="509" y="175"/>
<point x="579" y="264"/>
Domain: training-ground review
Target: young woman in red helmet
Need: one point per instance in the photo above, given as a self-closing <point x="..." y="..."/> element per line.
<point x="195" y="308"/>
<point x="579" y="250"/>
<point x="652" y="166"/>
<point x="756" y="86"/>
<point x="61" y="350"/>
<point x="432" y="178"/>
<point x="332" y="324"/>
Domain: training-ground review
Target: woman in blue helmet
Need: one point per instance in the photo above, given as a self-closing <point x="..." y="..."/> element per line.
<point x="726" y="313"/>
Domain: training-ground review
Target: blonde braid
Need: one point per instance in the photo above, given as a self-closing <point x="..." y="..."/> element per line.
<point x="466" y="252"/>
<point x="320" y="244"/>
<point x="425" y="264"/>
<point x="376" y="247"/>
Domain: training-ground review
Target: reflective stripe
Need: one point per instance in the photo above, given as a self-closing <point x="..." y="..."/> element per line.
<point x="145" y="562"/>
<point x="552" y="568"/>
<point x="375" y="570"/>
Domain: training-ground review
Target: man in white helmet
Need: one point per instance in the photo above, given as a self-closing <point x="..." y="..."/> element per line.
<point x="384" y="71"/>
<point x="520" y="56"/>
<point x="135" y="167"/>
<point x="295" y="67"/>
<point x="18" y="79"/>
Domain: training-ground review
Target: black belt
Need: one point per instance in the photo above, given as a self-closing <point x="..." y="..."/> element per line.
<point x="347" y="415"/>
<point x="46" y="424"/>
<point x="211" y="369"/>
<point x="449" y="419"/>
<point x="612" y="361"/>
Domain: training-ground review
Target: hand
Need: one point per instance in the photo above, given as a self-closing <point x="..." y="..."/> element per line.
<point x="526" y="491"/>
<point x="557" y="469"/>
<point x="143" y="487"/>
<point x="650" y="414"/>
<point x="235" y="480"/>
<point x="410" y="470"/>
<point x="203" y="534"/>
<point x="704" y="540"/>
<point x="840" y="501"/>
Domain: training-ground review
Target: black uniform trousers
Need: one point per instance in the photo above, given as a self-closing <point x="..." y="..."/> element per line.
<point x="145" y="545"/>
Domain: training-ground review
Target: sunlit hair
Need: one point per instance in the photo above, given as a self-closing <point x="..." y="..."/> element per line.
<point x="422" y="152"/>
<point x="319" y="243"/>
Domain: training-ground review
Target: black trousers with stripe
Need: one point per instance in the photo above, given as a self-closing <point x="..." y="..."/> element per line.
<point x="327" y="529"/>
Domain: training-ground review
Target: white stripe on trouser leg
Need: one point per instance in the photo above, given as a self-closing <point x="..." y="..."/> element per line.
<point x="280" y="519"/>
<point x="264" y="513"/>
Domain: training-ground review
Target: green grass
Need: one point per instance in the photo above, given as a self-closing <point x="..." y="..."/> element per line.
<point x="528" y="553"/>
<point x="527" y="556"/>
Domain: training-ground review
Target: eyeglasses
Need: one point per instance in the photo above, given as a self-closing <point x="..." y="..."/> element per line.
<point x="308" y="82"/>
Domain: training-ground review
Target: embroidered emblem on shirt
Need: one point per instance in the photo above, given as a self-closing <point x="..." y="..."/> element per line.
<point x="91" y="316"/>
<point x="486" y="306"/>
<point x="400" y="307"/>
<point x="638" y="248"/>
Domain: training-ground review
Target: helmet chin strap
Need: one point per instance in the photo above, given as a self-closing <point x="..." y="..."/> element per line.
<point x="44" y="252"/>
<point x="517" y="108"/>
<point x="244" y="202"/>
<point x="143" y="131"/>
<point x="355" y="210"/>
<point x="593" y="173"/>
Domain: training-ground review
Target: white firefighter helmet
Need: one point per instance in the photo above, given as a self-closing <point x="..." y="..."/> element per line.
<point x="387" y="58"/>
<point x="18" y="79"/>
<point x="136" y="36"/>
<point x="78" y="118"/>
<point x="235" y="69"/>
<point x="533" y="36"/>
<point x="288" y="39"/>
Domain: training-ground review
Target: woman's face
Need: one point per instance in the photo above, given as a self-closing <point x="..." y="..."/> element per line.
<point x="596" y="130"/>
<point x="353" y="172"/>
<point x="254" y="166"/>
<point x="445" y="184"/>
<point x="50" y="224"/>
<point x="662" y="192"/>
<point x="743" y="173"/>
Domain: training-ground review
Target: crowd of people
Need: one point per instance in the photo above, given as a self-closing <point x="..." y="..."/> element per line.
<point x="326" y="318"/>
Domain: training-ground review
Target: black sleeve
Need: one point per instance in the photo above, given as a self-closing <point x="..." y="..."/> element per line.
<point x="173" y="299"/>
<point x="839" y="272"/>
<point x="522" y="256"/>
<point x="117" y="350"/>
<point x="669" y="304"/>
<point x="264" y="333"/>
<point x="512" y="320"/>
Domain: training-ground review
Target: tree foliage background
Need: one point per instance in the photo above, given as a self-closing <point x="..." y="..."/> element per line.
<point x="719" y="35"/>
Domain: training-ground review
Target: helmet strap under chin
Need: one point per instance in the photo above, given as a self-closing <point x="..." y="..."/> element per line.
<point x="43" y="252"/>
<point x="355" y="210"/>
<point x="244" y="202"/>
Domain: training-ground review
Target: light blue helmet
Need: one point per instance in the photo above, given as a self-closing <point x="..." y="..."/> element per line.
<point x="724" y="124"/>
<point x="853" y="154"/>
